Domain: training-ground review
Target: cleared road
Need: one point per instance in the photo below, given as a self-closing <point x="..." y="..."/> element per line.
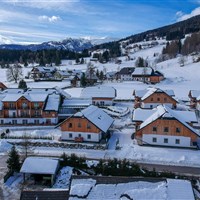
<point x="179" y="170"/>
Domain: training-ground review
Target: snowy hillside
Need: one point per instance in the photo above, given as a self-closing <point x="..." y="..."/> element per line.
<point x="180" y="79"/>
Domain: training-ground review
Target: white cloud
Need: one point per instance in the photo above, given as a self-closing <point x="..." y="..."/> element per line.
<point x="49" y="19"/>
<point x="182" y="16"/>
<point x="42" y="4"/>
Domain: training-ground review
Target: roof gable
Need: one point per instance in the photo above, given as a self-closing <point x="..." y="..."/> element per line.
<point x="96" y="116"/>
<point x="166" y="112"/>
<point x="144" y="94"/>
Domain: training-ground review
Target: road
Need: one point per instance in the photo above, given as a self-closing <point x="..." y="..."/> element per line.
<point x="179" y="170"/>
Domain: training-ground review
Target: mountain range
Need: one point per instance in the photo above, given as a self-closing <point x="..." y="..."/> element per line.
<point x="72" y="44"/>
<point x="174" y="31"/>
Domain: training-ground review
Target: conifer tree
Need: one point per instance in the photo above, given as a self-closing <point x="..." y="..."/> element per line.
<point x="13" y="163"/>
<point x="101" y="75"/>
<point x="22" y="84"/>
<point x="83" y="80"/>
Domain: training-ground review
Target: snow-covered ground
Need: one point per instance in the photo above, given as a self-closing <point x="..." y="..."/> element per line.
<point x="180" y="79"/>
<point x="63" y="178"/>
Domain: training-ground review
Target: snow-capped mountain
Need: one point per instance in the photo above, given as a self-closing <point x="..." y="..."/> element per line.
<point x="72" y="44"/>
<point x="97" y="41"/>
<point x="5" y="40"/>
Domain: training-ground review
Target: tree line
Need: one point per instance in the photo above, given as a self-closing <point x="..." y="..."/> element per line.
<point x="190" y="45"/>
<point x="42" y="57"/>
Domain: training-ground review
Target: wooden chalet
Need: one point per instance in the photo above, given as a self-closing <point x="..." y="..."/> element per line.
<point x="30" y="107"/>
<point x="147" y="75"/>
<point x="152" y="97"/>
<point x="90" y="124"/>
<point x="45" y="74"/>
<point x="166" y="127"/>
<point x="125" y="74"/>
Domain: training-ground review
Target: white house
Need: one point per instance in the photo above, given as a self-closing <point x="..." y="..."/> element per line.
<point x="101" y="95"/>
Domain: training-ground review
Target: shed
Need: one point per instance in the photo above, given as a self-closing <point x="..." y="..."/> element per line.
<point x="41" y="168"/>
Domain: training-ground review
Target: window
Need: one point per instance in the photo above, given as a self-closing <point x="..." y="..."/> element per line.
<point x="165" y="99"/>
<point x="79" y="125"/>
<point x="36" y="121"/>
<point x="70" y="125"/>
<point x="165" y="140"/>
<point x="151" y="99"/>
<point x="37" y="113"/>
<point x="166" y="129"/>
<point x="88" y="126"/>
<point x="14" y="121"/>
<point x="70" y="135"/>
<point x="79" y="135"/>
<point x="24" y="105"/>
<point x="177" y="141"/>
<point x="14" y="114"/>
<point x="101" y="103"/>
<point x="178" y="130"/>
<point x="88" y="136"/>
<point x="154" y="128"/>
<point x="158" y="99"/>
<point x="24" y="121"/>
<point x="154" y="139"/>
<point x="11" y="105"/>
<point x="36" y="105"/>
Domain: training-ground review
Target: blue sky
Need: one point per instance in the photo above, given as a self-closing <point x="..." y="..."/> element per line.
<point x="45" y="20"/>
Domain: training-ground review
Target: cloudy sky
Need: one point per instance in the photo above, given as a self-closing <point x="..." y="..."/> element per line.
<point x="44" y="20"/>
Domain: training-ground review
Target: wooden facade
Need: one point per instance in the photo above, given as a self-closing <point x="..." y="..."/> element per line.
<point x="161" y="98"/>
<point x="166" y="127"/>
<point x="80" y="129"/>
<point x="76" y="124"/>
<point x="157" y="98"/>
<point x="24" y="112"/>
<point x="156" y="79"/>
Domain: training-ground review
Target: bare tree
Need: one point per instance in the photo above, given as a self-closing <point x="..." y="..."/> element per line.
<point x="26" y="147"/>
<point x="14" y="73"/>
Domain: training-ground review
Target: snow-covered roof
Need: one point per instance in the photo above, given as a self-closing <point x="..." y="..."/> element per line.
<point x="13" y="90"/>
<point x="179" y="189"/>
<point x="39" y="165"/>
<point x="142" y="71"/>
<point x="46" y="69"/>
<point x="143" y="189"/>
<point x="30" y="97"/>
<point x="62" y="92"/>
<point x="77" y="102"/>
<point x="195" y="94"/>
<point x="97" y="117"/>
<point x="166" y="112"/>
<point x="32" y="94"/>
<point x="63" y="73"/>
<point x="142" y="114"/>
<point x="53" y="102"/>
<point x="143" y="94"/>
<point x="101" y="91"/>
